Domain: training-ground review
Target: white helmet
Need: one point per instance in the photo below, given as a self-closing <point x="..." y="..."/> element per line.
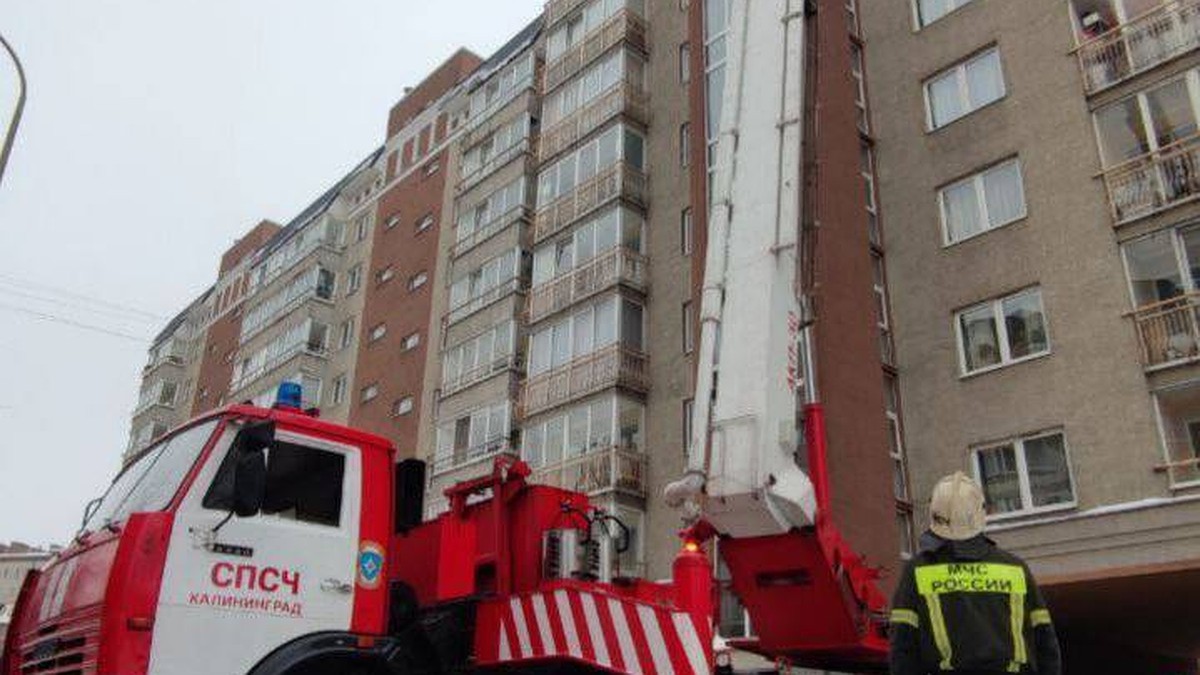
<point x="956" y="507"/>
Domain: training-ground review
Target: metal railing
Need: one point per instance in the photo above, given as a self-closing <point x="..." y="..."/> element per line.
<point x="478" y="302"/>
<point x="623" y="98"/>
<point x="598" y="471"/>
<point x="1153" y="182"/>
<point x="618" y="180"/>
<point x="616" y="265"/>
<point x="1169" y="331"/>
<point x="489" y="229"/>
<point x="624" y="26"/>
<point x="1148" y="40"/>
<point x="615" y="365"/>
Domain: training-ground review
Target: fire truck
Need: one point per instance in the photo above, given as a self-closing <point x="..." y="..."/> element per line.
<point x="271" y="542"/>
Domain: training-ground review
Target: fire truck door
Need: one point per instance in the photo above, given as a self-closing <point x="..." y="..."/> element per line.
<point x="231" y="597"/>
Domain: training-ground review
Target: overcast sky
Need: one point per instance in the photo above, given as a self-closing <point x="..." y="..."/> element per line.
<point x="156" y="132"/>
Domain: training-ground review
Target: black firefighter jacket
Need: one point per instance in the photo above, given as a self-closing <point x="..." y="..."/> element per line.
<point x="970" y="607"/>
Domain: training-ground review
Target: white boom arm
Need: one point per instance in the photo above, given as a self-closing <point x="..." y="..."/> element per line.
<point x="743" y="429"/>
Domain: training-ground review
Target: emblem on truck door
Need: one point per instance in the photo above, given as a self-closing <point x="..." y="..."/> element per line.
<point x="370" y="565"/>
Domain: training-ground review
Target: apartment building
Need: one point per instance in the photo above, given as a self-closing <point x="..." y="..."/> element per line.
<point x="1037" y="172"/>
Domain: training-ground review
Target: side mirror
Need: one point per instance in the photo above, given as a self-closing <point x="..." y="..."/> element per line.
<point x="250" y="470"/>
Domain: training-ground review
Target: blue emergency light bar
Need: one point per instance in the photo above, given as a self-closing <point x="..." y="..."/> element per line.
<point x="290" y="395"/>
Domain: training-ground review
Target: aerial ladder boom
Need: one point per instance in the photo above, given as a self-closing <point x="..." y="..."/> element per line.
<point x="811" y="598"/>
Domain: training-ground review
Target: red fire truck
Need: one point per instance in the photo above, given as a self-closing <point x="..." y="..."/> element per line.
<point x="270" y="542"/>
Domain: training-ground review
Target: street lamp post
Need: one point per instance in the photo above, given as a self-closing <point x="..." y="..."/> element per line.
<point x="11" y="135"/>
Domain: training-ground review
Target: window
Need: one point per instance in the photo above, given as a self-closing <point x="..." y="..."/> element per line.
<point x="478" y="357"/>
<point x="369" y="392"/>
<point x="689" y="333"/>
<point x="929" y="11"/>
<point x="590" y="329"/>
<point x="346" y="333"/>
<point x="402" y="407"/>
<point x="411" y="341"/>
<point x="685" y="63"/>
<point x="1025" y="475"/>
<point x="689" y="411"/>
<point x="378" y="332"/>
<point x="597" y="425"/>
<point x="685" y="145"/>
<point x="303" y="484"/>
<point x="361" y="227"/>
<point x="385" y="274"/>
<point x="479" y="220"/>
<point x="485" y="284"/>
<point x="353" y="279"/>
<point x="1163" y="265"/>
<point x="425" y="223"/>
<point x="592" y="16"/>
<point x="474" y="435"/>
<point x="417" y="280"/>
<point x="1148" y="121"/>
<point x="617" y="144"/>
<point x="985" y="201"/>
<point x="392" y="221"/>
<point x="891" y="398"/>
<point x="339" y="389"/>
<point x="1002" y="331"/>
<point x="860" y="88"/>
<point x="595" y="237"/>
<point x="685" y="232"/>
<point x="964" y="88"/>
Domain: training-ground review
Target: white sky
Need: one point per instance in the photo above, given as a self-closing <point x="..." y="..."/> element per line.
<point x="156" y="132"/>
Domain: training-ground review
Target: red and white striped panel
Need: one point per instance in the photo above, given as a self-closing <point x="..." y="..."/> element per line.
<point x="618" y="634"/>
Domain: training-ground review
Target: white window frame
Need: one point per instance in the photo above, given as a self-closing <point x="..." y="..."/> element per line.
<point x="1026" y="492"/>
<point x="404" y="406"/>
<point x="378" y="331"/>
<point x="418" y="280"/>
<point x="918" y="24"/>
<point x="959" y="72"/>
<point x="369" y="393"/>
<point x="1191" y="80"/>
<point x="686" y="231"/>
<point x="1006" y="360"/>
<point x="338" y="393"/>
<point x="411" y="341"/>
<point x="353" y="279"/>
<point x="425" y="223"/>
<point x="981" y="197"/>
<point x="346" y="334"/>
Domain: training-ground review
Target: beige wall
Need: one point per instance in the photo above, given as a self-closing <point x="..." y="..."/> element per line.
<point x="1091" y="385"/>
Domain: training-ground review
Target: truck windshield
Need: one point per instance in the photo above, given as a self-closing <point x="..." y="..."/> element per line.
<point x="151" y="482"/>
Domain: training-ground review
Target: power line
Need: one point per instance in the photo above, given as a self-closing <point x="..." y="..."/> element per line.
<point x="79" y="305"/>
<point x="70" y="322"/>
<point x="16" y="281"/>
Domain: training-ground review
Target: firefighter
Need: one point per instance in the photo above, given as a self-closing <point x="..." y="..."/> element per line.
<point x="963" y="605"/>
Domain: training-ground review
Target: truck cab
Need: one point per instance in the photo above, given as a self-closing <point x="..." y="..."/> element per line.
<point x="240" y="532"/>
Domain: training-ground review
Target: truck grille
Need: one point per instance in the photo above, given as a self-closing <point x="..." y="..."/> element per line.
<point x="65" y="647"/>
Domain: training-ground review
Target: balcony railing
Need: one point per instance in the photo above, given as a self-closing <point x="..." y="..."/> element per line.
<point x="453" y="385"/>
<point x="614" y="365"/>
<point x="496" y="161"/>
<point x="616" y="181"/>
<point x="1153" y="38"/>
<point x="1169" y="331"/>
<point x="598" y="472"/>
<point x="488" y="230"/>
<point x="624" y="26"/>
<point x="624" y="98"/>
<point x="481" y="454"/>
<point x="1154" y="182"/>
<point x="174" y="358"/>
<point x="557" y="10"/>
<point x="478" y="302"/>
<point x="311" y="348"/>
<point x="616" y="265"/>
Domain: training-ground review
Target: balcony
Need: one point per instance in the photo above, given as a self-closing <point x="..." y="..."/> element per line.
<point x="618" y="180"/>
<point x="624" y="26"/>
<point x="614" y="365"/>
<point x="314" y="349"/>
<point x="623" y="99"/>
<point x="1149" y="40"/>
<point x="488" y="230"/>
<point x="453" y="385"/>
<point x="481" y="456"/>
<point x="614" y="266"/>
<point x="1153" y="182"/>
<point x="598" y="472"/>
<point x="1169" y="331"/>
<point x="478" y="302"/>
<point x="557" y="10"/>
<point x="526" y="145"/>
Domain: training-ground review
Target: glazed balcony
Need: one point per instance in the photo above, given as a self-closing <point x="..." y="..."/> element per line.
<point x="598" y="472"/>
<point x="480" y="456"/>
<point x="624" y="26"/>
<point x="1160" y="35"/>
<point x="473" y="376"/>
<point x="526" y="146"/>
<point x="623" y="99"/>
<point x="618" y="180"/>
<point x="614" y="266"/>
<point x="1169" y="331"/>
<point x="489" y="230"/>
<point x="557" y="10"/>
<point x="611" y="366"/>
<point x="478" y="302"/>
<point x="1154" y="182"/>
